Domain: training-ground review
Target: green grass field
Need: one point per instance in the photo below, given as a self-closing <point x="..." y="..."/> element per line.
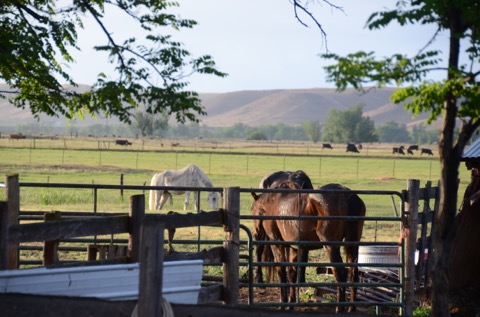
<point x="227" y="163"/>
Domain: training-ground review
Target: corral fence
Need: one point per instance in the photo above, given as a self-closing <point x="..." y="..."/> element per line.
<point x="385" y="280"/>
<point x="410" y="276"/>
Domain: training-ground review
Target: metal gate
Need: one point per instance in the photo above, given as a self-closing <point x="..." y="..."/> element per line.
<point x="381" y="284"/>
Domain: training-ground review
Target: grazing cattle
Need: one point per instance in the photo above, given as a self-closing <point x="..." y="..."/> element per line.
<point x="17" y="136"/>
<point x="398" y="150"/>
<point x="327" y="146"/>
<point x="413" y="147"/>
<point x="352" y="148"/>
<point x="426" y="151"/>
<point x="175" y="144"/>
<point x="122" y="142"/>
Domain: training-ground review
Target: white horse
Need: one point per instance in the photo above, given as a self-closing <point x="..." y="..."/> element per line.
<point x="189" y="176"/>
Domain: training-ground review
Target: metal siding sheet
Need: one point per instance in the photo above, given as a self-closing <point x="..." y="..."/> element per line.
<point x="181" y="281"/>
<point x="472" y="151"/>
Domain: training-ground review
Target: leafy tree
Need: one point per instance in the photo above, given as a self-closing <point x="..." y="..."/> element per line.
<point x="285" y="132"/>
<point x="392" y="131"/>
<point x="38" y="39"/>
<point x="257" y="135"/>
<point x="148" y="124"/>
<point x="349" y="126"/>
<point x="421" y="135"/>
<point x="456" y="96"/>
<point x="313" y="129"/>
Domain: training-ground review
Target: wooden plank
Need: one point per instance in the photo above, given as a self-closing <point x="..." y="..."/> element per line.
<point x="174" y="220"/>
<point x="20" y="305"/>
<point x="50" y="255"/>
<point x="3" y="235"/>
<point x="137" y="215"/>
<point x="53" y="230"/>
<point x="151" y="270"/>
<point x="12" y="192"/>
<point x="23" y="305"/>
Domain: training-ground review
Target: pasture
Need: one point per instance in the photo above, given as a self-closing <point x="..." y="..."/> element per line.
<point x="227" y="163"/>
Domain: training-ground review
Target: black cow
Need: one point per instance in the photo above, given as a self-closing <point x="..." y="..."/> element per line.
<point x="352" y="148"/>
<point x="412" y="147"/>
<point x="398" y="150"/>
<point x="426" y="151"/>
<point x="122" y="142"/>
<point x="327" y="146"/>
<point x="17" y="136"/>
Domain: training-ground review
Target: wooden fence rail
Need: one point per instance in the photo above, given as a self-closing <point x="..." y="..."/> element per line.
<point x="12" y="234"/>
<point x="137" y="225"/>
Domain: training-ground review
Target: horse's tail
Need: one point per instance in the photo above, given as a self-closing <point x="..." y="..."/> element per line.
<point x="356" y="207"/>
<point x="153" y="193"/>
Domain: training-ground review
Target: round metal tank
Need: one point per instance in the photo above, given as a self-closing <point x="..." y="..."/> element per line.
<point x="378" y="255"/>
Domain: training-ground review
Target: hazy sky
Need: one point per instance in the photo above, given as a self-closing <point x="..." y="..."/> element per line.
<point x="261" y="45"/>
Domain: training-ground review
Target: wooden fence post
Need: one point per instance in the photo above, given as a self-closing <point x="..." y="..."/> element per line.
<point x="137" y="214"/>
<point x="231" y="245"/>
<point x="50" y="255"/>
<point x="410" y="228"/>
<point x="151" y="270"/>
<point x="12" y="192"/>
<point x="3" y="235"/>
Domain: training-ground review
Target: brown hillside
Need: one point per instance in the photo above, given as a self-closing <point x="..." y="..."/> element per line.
<point x="254" y="108"/>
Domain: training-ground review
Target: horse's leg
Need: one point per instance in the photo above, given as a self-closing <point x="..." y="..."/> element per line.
<point x="303" y="254"/>
<point x="158" y="198"/>
<point x="340" y="273"/>
<point x="292" y="274"/>
<point x="259" y="235"/>
<point x="162" y="199"/>
<point x="196" y="200"/>
<point x="351" y="256"/>
<point x="187" y="201"/>
<point x="279" y="255"/>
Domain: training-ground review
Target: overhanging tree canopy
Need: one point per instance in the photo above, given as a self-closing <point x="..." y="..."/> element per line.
<point x="458" y="96"/>
<point x="36" y="45"/>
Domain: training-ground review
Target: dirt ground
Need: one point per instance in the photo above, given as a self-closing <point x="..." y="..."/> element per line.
<point x="272" y="295"/>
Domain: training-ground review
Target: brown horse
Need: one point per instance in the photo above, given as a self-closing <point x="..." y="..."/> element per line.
<point x="334" y="200"/>
<point x="262" y="252"/>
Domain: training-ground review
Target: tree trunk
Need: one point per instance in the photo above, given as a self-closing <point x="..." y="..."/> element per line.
<point x="450" y="161"/>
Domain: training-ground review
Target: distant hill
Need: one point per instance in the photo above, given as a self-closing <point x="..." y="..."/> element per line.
<point x="258" y="107"/>
<point x="295" y="106"/>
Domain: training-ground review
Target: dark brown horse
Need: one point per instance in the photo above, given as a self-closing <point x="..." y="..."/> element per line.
<point x="334" y="200"/>
<point x="274" y="180"/>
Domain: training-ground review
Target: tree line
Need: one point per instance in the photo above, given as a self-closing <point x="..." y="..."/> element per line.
<point x="340" y="126"/>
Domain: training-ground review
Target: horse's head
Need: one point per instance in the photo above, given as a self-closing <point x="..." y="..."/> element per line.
<point x="212" y="199"/>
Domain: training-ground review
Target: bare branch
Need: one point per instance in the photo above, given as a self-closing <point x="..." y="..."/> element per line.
<point x="299" y="6"/>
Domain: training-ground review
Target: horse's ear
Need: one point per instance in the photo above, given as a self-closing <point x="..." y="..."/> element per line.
<point x="255" y="196"/>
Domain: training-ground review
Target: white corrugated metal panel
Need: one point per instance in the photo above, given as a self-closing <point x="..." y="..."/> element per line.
<point x="472" y="151"/>
<point x="181" y="281"/>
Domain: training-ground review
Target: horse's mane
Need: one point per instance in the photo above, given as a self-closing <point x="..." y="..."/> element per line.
<point x="287" y="184"/>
